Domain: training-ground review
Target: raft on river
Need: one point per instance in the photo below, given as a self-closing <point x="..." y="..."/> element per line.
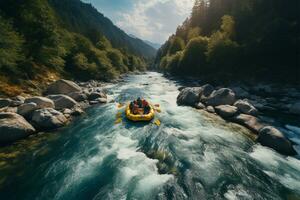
<point x="139" y="117"/>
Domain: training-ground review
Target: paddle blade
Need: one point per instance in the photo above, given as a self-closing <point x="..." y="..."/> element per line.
<point x="157" y="122"/>
<point x="118" y="121"/>
<point x="120" y="105"/>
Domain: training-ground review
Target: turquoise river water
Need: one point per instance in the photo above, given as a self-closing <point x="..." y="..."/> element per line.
<point x="191" y="155"/>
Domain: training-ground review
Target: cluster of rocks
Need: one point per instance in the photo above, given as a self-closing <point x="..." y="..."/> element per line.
<point x="226" y="103"/>
<point x="64" y="99"/>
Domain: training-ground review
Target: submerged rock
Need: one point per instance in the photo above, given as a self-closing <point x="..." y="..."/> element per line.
<point x="41" y="102"/>
<point x="223" y="96"/>
<point x="13" y="127"/>
<point x="226" y="111"/>
<point x="273" y="138"/>
<point x="245" y="107"/>
<point x="48" y="119"/>
<point x="63" y="87"/>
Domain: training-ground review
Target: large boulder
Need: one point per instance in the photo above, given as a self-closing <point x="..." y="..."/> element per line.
<point x="41" y="102"/>
<point x="78" y="96"/>
<point x="63" y="87"/>
<point x="245" y="107"/>
<point x="223" y="96"/>
<point x="95" y="95"/>
<point x="27" y="108"/>
<point x="249" y="121"/>
<point x="13" y="127"/>
<point x="273" y="138"/>
<point x="189" y="96"/>
<point x="295" y="108"/>
<point x="62" y="101"/>
<point x="4" y="102"/>
<point x="226" y="111"/>
<point x="48" y="119"/>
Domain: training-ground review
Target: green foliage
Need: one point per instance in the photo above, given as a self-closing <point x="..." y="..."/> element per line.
<point x="244" y="40"/>
<point x="194" y="58"/>
<point x="45" y="35"/>
<point x="177" y="44"/>
<point x="10" y="46"/>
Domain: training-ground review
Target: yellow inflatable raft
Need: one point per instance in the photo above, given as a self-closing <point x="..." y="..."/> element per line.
<point x="139" y="118"/>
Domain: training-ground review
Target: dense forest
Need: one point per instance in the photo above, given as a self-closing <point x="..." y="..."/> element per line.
<point x="41" y="40"/>
<point x="225" y="40"/>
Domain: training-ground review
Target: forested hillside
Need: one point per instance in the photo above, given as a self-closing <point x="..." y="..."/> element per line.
<point x="232" y="39"/>
<point x="41" y="40"/>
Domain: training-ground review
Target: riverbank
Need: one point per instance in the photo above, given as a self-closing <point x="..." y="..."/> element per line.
<point x="63" y="100"/>
<point x="261" y="108"/>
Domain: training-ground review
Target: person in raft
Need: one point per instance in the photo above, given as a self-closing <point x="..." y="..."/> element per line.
<point x="139" y="106"/>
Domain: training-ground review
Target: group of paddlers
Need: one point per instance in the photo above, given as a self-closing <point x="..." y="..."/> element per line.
<point x="139" y="107"/>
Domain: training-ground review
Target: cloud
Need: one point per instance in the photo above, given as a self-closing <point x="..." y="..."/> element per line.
<point x="154" y="20"/>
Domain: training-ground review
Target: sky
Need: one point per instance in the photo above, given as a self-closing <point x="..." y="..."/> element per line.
<point x="152" y="20"/>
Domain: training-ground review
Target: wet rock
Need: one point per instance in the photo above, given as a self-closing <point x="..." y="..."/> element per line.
<point x="13" y="127"/>
<point x="210" y="109"/>
<point x="62" y="101"/>
<point x="226" y="111"/>
<point x="5" y="102"/>
<point x="245" y="107"/>
<point x="48" y="119"/>
<point x="273" y="138"/>
<point x="77" y="112"/>
<point x="223" y="96"/>
<point x="240" y="92"/>
<point x="78" y="96"/>
<point x="63" y="87"/>
<point x="251" y="122"/>
<point x="95" y="95"/>
<point x="27" y="108"/>
<point x="199" y="105"/>
<point x="189" y="96"/>
<point x="41" y="102"/>
<point x="102" y="100"/>
<point x="207" y="89"/>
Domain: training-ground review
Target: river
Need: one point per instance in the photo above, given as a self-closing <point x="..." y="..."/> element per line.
<point x="189" y="156"/>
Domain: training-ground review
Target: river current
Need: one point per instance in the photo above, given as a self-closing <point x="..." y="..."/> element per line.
<point x="191" y="155"/>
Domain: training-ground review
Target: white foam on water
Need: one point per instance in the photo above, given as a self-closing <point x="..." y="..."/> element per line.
<point x="237" y="193"/>
<point x="284" y="169"/>
<point x="151" y="182"/>
<point x="265" y="155"/>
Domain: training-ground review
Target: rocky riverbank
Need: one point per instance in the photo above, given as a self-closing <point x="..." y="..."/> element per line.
<point x="63" y="100"/>
<point x="245" y="107"/>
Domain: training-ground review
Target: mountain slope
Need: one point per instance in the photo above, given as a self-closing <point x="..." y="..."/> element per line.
<point x="226" y="40"/>
<point x="39" y="43"/>
<point x="85" y="19"/>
